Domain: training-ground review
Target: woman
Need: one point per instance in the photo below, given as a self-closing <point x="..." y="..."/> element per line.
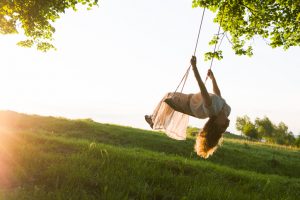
<point x="173" y="110"/>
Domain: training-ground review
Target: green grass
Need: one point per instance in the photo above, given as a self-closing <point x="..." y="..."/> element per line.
<point x="57" y="158"/>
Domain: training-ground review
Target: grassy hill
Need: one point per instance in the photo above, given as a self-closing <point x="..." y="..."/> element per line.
<point x="56" y="158"/>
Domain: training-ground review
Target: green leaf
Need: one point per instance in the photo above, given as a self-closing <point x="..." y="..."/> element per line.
<point x="26" y="43"/>
<point x="274" y="20"/>
<point x="35" y="18"/>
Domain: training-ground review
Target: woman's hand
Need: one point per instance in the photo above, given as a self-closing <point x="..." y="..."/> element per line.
<point x="210" y="74"/>
<point x="194" y="61"/>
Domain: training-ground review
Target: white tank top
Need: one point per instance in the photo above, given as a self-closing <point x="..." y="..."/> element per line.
<point x="201" y="111"/>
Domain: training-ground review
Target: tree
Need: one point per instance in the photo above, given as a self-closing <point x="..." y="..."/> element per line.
<point x="277" y="21"/>
<point x="245" y="125"/>
<point x="297" y="141"/>
<point x="283" y="136"/>
<point x="35" y="18"/>
<point x="241" y="122"/>
<point x="264" y="127"/>
<point x="250" y="131"/>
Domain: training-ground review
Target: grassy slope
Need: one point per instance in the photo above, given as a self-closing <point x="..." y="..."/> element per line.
<point x="55" y="158"/>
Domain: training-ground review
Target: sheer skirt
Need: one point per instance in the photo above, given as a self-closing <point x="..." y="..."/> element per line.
<point x="165" y="118"/>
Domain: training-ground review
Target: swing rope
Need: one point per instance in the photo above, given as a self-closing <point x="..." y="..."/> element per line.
<point x="185" y="76"/>
<point x="212" y="60"/>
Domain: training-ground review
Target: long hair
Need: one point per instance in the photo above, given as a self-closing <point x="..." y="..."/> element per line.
<point x="209" y="138"/>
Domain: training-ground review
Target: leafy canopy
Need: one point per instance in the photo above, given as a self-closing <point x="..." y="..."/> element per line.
<point x="277" y="21"/>
<point x="35" y="18"/>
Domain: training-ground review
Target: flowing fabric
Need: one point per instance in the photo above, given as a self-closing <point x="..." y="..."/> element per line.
<point x="165" y="118"/>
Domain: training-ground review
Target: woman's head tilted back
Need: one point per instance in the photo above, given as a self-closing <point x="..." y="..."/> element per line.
<point x="210" y="136"/>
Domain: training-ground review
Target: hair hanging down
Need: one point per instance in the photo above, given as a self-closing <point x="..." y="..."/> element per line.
<point x="209" y="138"/>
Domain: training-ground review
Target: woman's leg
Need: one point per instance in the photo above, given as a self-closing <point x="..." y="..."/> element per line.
<point x="151" y="118"/>
<point x="155" y="112"/>
<point x="170" y="103"/>
<point x="169" y="120"/>
<point x="180" y="102"/>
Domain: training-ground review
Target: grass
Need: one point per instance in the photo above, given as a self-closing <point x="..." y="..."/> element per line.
<point x="57" y="158"/>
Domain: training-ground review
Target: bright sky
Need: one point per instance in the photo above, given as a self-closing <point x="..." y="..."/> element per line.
<point x="114" y="63"/>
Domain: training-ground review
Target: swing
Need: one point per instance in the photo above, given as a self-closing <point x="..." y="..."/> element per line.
<point x="179" y="105"/>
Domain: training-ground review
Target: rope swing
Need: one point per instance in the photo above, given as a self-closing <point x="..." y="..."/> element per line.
<point x="185" y="76"/>
<point x="212" y="60"/>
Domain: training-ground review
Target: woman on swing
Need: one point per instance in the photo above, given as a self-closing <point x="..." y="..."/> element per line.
<point x="173" y="110"/>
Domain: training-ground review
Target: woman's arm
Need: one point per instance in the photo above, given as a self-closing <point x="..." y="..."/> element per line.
<point x="204" y="93"/>
<point x="214" y="83"/>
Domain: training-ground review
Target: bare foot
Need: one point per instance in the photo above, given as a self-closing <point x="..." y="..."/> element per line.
<point x="149" y="120"/>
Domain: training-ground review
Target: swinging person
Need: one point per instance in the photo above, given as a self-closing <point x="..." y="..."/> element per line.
<point x="171" y="114"/>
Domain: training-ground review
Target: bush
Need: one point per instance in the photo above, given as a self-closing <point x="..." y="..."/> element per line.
<point x="192" y="131"/>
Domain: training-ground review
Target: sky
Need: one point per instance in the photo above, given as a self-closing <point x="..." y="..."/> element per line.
<point x="114" y="63"/>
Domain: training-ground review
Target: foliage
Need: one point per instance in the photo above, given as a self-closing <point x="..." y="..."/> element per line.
<point x="264" y="128"/>
<point x="283" y="136"/>
<point x="210" y="55"/>
<point x="297" y="142"/>
<point x="250" y="131"/>
<point x="274" y="20"/>
<point x="277" y="21"/>
<point x="244" y="125"/>
<point x="35" y="18"/>
<point x="192" y="131"/>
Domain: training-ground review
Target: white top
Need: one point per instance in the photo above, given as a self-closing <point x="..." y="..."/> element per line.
<point x="201" y="111"/>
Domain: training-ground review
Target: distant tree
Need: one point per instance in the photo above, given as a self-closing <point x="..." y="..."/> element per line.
<point x="35" y="18"/>
<point x="297" y="141"/>
<point x="264" y="127"/>
<point x="290" y="139"/>
<point x="276" y="21"/>
<point x="241" y="122"/>
<point x="283" y="135"/>
<point x="250" y="131"/>
<point x="245" y="125"/>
